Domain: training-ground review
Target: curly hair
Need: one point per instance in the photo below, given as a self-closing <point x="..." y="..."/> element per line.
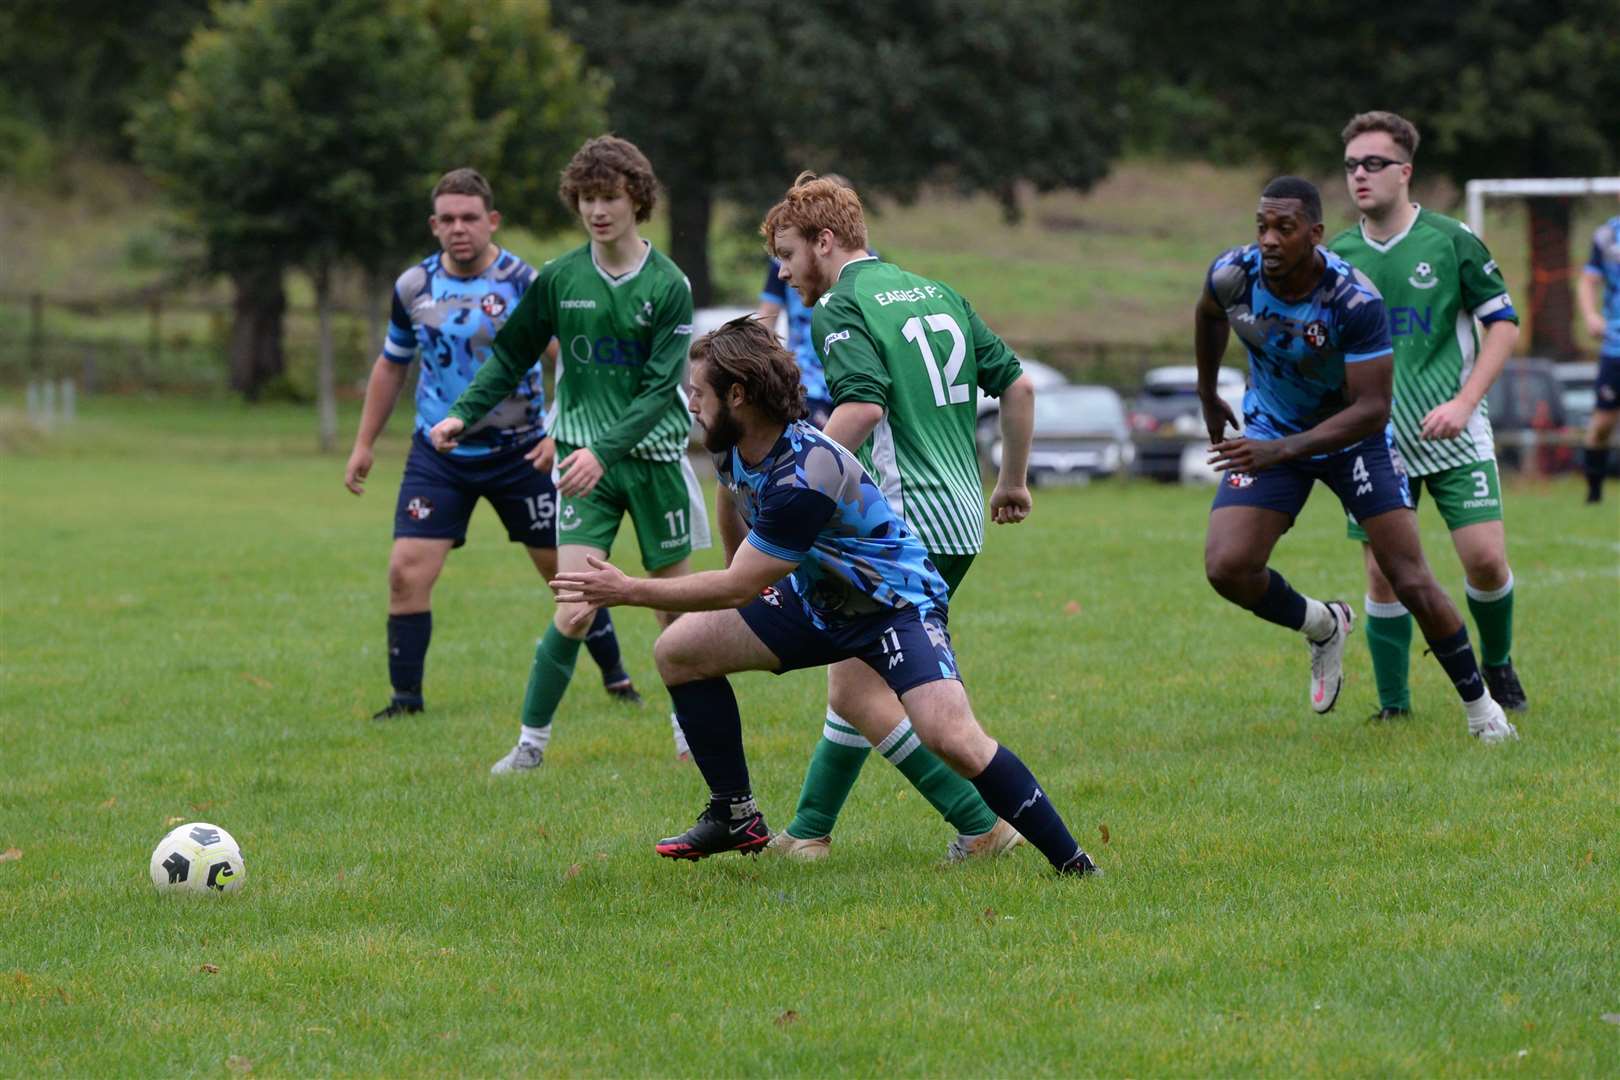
<point x="815" y="203"/>
<point x="746" y="351"/>
<point x="1396" y="126"/>
<point x="601" y="165"/>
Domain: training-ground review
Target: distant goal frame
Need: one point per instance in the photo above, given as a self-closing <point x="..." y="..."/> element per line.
<point x="1476" y="191"/>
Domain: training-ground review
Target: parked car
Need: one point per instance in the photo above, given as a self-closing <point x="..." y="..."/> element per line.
<point x="1527" y="411"/>
<point x="1081" y="432"/>
<point x="988" y="426"/>
<point x="1168" y="420"/>
<point x="1577" y="387"/>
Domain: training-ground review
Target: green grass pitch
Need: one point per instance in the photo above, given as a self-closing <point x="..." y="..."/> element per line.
<point x="191" y="625"/>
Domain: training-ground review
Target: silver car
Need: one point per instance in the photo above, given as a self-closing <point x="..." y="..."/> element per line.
<point x="1081" y="432"/>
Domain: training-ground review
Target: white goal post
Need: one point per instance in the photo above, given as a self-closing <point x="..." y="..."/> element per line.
<point x="1477" y="190"/>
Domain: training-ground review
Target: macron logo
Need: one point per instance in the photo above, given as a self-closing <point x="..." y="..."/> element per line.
<point x="826" y="346"/>
<point x="585" y="305"/>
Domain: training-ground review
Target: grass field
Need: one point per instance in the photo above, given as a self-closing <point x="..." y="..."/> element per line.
<point x="191" y="618"/>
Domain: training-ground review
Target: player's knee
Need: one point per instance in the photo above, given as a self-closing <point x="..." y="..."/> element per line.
<point x="1226" y="568"/>
<point x="407" y="579"/>
<point x="677" y="661"/>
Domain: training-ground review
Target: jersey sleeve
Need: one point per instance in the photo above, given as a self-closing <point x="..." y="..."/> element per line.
<point x="1365" y="334"/>
<point x="399" y="344"/>
<point x="775" y="289"/>
<point x="1484" y="290"/>
<point x="998" y="365"/>
<point x="849" y="355"/>
<point x="788" y="521"/>
<point x="660" y="378"/>
<point x="1594" y="261"/>
<point x="519" y="344"/>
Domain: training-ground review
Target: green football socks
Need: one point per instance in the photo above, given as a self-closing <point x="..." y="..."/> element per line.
<point x="1493" y="614"/>
<point x="956" y="799"/>
<point x="549" y="676"/>
<point x="837" y="762"/>
<point x="833" y="768"/>
<point x="1389" y="640"/>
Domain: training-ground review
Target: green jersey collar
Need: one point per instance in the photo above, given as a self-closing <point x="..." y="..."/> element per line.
<point x="1385" y="247"/>
<point x="859" y="259"/>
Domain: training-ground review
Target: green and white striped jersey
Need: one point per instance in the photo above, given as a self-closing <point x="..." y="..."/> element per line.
<point x="623" y="343"/>
<point x="915" y="347"/>
<point x="1436" y="278"/>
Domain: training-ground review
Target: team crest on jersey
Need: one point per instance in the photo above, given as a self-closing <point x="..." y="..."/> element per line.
<point x="1316" y="334"/>
<point x="771" y="596"/>
<point x="1238" y="480"/>
<point x="644" y="316"/>
<point x="570" y="518"/>
<point x="493" y="304"/>
<point x="419" y="509"/>
<point x="1423" y="277"/>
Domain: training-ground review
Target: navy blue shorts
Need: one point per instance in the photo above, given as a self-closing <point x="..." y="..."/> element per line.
<point x="1368" y="478"/>
<point x="908" y="647"/>
<point x="439" y="491"/>
<point x="1608" y="383"/>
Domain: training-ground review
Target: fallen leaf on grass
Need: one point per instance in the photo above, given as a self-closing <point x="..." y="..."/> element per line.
<point x="319" y="1030"/>
<point x="109" y="804"/>
<point x="261" y="683"/>
<point x="1103" y="828"/>
<point x="199" y="807"/>
<point x="172" y="820"/>
<point x="788" y="1017"/>
<point x="572" y="872"/>
<point x="212" y="969"/>
<point x="238" y="1064"/>
<point x="601" y="856"/>
<point x="62" y="993"/>
<point x="988" y="914"/>
<point x="11" y="854"/>
<point x="1072" y="608"/>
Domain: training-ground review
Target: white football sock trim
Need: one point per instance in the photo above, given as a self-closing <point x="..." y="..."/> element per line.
<point x="901" y="730"/>
<point x="534" y="736"/>
<point x="1378" y="610"/>
<point x="841" y="731"/>
<point x="1487" y="597"/>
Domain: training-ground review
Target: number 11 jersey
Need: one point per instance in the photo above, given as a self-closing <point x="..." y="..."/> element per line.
<point x="917" y="349"/>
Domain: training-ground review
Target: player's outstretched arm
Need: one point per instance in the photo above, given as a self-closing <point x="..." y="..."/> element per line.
<point x="1586" y="292"/>
<point x="1210" y="334"/>
<point x="1010" y="502"/>
<point x="382" y="392"/>
<point x="605" y="585"/>
<point x="852" y="423"/>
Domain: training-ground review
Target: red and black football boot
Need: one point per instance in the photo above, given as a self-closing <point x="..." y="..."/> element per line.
<point x="714" y="834"/>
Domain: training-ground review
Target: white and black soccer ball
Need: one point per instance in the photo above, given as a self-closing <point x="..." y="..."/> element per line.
<point x="198" y="857"/>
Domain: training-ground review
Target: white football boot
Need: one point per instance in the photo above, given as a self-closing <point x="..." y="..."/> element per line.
<point x="1327" y="659"/>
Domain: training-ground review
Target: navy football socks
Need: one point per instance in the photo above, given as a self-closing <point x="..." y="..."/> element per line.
<point x="707" y="711"/>
<point x="1010" y="789"/>
<point x="408" y="637"/>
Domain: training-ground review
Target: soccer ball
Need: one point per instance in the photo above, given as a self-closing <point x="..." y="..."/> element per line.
<point x="197" y="857"/>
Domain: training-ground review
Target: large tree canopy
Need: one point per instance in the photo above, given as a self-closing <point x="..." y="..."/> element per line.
<point x="308" y="133"/>
<point x="731" y="98"/>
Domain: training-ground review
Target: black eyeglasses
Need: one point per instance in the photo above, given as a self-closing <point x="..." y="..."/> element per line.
<point x="1372" y="163"/>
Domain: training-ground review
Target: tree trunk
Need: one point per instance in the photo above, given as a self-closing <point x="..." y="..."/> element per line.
<point x="1552" y="309"/>
<point x="379" y="287"/>
<point x="325" y="368"/>
<point x="256" y="354"/>
<point x="690" y="208"/>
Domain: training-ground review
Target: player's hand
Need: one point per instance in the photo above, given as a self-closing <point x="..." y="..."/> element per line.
<point x="542" y="455"/>
<point x="1218" y="416"/>
<point x="1446" y="420"/>
<point x="580" y="472"/>
<point x="358" y="468"/>
<point x="603" y="585"/>
<point x="1595" y="326"/>
<point x="1010" y="504"/>
<point x="1246" y="455"/>
<point x="446" y="434"/>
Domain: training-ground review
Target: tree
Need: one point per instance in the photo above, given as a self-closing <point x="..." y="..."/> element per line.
<point x="1498" y="88"/>
<point x="308" y="133"/>
<point x="731" y="98"/>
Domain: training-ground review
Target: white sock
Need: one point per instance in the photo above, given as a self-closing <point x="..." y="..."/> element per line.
<point x="536" y="737"/>
<point x="680" y="736"/>
<point x="1480" y="707"/>
<point x="1320" y="623"/>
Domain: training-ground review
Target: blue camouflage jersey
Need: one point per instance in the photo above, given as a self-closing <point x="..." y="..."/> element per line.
<point x="1298" y="349"/>
<point x="810" y="502"/>
<point x="1605" y="262"/>
<point x="799" y="342"/>
<point x="451" y="322"/>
